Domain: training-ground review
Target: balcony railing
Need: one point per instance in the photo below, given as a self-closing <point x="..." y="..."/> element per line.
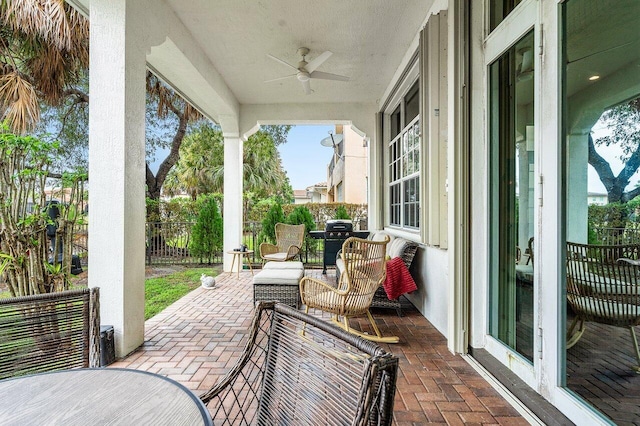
<point x="616" y="236"/>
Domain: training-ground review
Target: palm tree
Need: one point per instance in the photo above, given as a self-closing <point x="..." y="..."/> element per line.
<point x="44" y="51"/>
<point x="201" y="166"/>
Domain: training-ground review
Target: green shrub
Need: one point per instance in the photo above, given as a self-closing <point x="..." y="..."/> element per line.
<point x="274" y="215"/>
<point x="301" y="215"/>
<point x="206" y="234"/>
<point x="341" y="213"/>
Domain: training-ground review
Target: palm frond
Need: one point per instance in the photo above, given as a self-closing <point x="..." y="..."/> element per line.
<point x="43" y="18"/>
<point x="19" y="102"/>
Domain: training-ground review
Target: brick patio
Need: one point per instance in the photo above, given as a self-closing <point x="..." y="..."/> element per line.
<point x="197" y="340"/>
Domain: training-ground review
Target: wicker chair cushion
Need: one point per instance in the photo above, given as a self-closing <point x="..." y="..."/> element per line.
<point x="279" y="276"/>
<point x="606" y="308"/>
<point x="276" y="257"/>
<point x="397" y="246"/>
<point x="598" y="283"/>
<point x="283" y="265"/>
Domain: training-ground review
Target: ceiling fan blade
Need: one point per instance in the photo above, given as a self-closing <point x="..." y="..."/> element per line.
<point x="311" y="66"/>
<point x="328" y="76"/>
<point x="282" y="62"/>
<point x="280" y="78"/>
<point x="307" y="87"/>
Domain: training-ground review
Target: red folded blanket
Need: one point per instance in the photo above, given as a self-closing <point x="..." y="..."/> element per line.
<point x="399" y="280"/>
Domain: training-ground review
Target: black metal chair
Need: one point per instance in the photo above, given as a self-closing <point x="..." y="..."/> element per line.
<point x="297" y="369"/>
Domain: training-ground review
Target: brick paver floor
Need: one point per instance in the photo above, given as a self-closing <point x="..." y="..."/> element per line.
<point x="197" y="339"/>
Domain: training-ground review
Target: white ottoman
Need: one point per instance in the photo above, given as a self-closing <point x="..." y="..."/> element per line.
<point x="283" y="265"/>
<point x="281" y="284"/>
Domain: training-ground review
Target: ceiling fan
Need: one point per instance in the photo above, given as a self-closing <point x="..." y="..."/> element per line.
<point x="305" y="71"/>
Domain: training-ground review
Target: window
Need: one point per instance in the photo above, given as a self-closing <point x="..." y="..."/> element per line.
<point x="601" y="109"/>
<point x="404" y="163"/>
<point x="499" y="9"/>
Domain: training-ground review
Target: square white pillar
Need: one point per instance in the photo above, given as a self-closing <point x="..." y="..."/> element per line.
<point x="233" y="177"/>
<point x="577" y="188"/>
<point x="117" y="169"/>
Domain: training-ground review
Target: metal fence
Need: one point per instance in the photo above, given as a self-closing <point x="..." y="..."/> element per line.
<point x="617" y="236"/>
<point x="168" y="243"/>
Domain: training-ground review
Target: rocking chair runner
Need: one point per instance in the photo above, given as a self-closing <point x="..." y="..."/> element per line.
<point x="603" y="286"/>
<point x="289" y="239"/>
<point x="299" y="370"/>
<point x="364" y="272"/>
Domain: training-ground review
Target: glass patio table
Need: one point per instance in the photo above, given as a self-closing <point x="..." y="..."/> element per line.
<point x="96" y="396"/>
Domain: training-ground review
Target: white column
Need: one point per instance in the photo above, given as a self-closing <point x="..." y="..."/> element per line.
<point x="577" y="188"/>
<point x="117" y="170"/>
<point x="232" y="217"/>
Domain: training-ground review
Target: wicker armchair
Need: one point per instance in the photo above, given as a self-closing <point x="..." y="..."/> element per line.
<point x="603" y="286"/>
<point x="364" y="272"/>
<point x="289" y="240"/>
<point x="299" y="370"/>
<point x="49" y="332"/>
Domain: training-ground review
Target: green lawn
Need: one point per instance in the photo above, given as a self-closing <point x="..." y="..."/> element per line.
<point x="163" y="291"/>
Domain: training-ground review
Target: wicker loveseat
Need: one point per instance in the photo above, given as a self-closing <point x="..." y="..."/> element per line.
<point x="297" y="369"/>
<point x="397" y="247"/>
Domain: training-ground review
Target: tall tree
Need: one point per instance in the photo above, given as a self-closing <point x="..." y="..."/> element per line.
<point x="201" y="166"/>
<point x="44" y="59"/>
<point x="623" y="124"/>
<point x="167" y="103"/>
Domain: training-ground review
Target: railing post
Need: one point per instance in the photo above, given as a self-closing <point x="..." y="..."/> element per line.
<point x="148" y="226"/>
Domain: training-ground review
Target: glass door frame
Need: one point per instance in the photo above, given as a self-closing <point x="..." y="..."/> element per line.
<point x="546" y="374"/>
<point x="522" y="20"/>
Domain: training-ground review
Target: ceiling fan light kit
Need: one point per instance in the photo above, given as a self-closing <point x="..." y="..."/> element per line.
<point x="305" y="71"/>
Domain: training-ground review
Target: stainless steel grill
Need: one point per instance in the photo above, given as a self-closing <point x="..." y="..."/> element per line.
<point x="334" y="234"/>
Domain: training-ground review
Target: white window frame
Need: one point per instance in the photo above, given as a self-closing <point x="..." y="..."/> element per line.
<point x="402" y="155"/>
<point x="395" y="101"/>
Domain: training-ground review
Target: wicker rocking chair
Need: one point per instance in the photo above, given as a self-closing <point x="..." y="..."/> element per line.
<point x="364" y="272"/>
<point x="299" y="370"/>
<point x="603" y="286"/>
<point x="288" y="245"/>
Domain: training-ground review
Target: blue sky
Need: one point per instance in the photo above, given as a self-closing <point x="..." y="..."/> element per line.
<point x="303" y="158"/>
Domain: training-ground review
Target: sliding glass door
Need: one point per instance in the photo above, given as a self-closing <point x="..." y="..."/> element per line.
<point x="511" y="132"/>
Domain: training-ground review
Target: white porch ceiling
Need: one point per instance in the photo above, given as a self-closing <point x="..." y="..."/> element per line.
<point x="368" y="39"/>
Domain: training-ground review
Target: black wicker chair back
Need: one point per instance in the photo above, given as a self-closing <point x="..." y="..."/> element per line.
<point x="299" y="370"/>
<point x="49" y="332"/>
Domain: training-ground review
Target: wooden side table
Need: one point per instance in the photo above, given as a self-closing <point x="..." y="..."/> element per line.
<point x="240" y="256"/>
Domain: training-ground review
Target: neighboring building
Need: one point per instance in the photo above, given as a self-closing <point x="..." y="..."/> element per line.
<point x="317" y="193"/>
<point x="597" y="198"/>
<point x="300" y="196"/>
<point x="347" y="178"/>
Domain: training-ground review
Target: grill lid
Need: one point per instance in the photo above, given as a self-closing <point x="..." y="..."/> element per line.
<point x="338" y="225"/>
